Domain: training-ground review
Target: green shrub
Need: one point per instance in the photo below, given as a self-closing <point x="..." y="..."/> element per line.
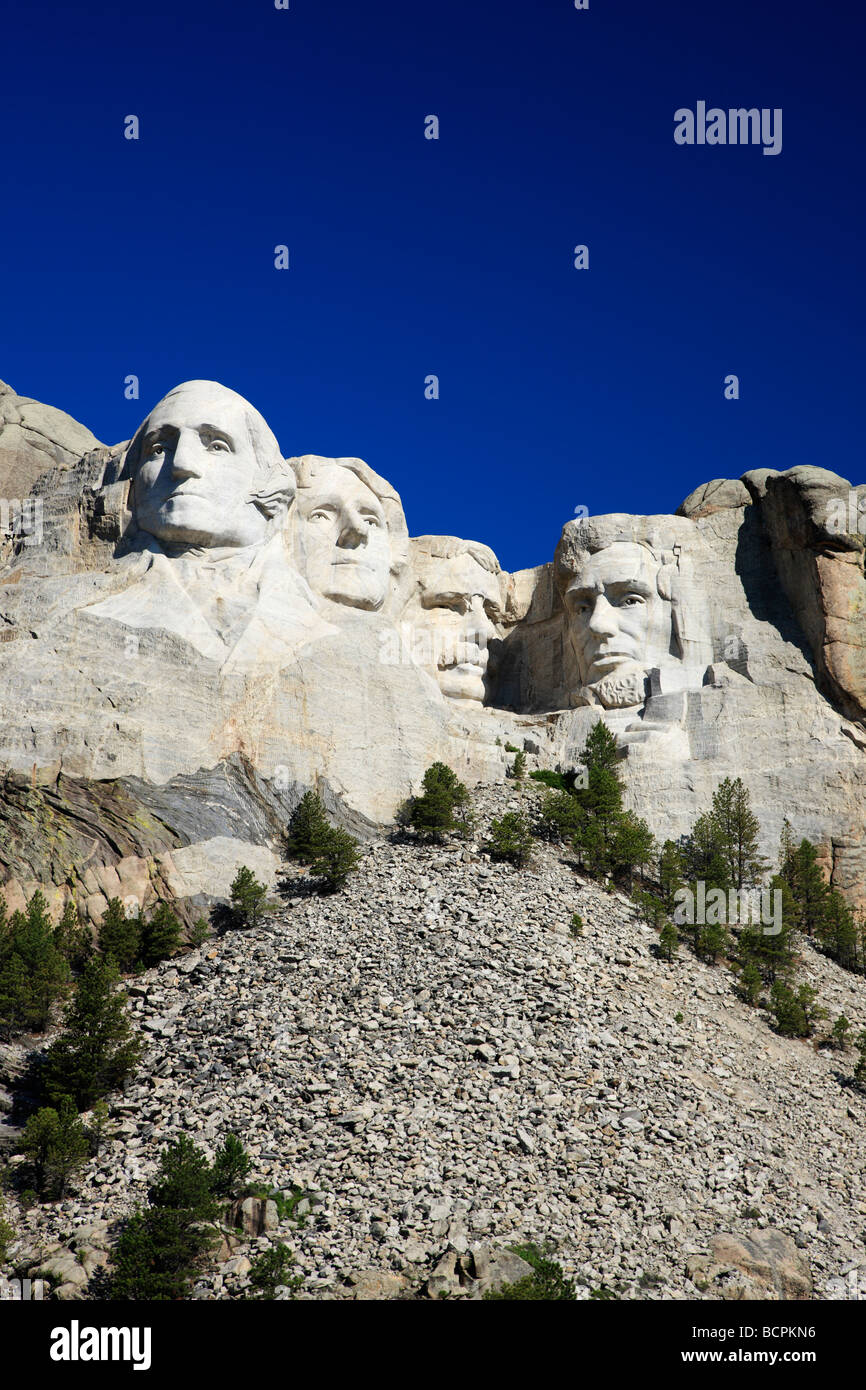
<point x="199" y="932"/>
<point x="56" y="1143"/>
<point x="336" y="857"/>
<point x="443" y="805"/>
<point x="247" y="897"/>
<point x="510" y="839"/>
<point x="547" y="1281"/>
<point x="272" y="1270"/>
<point x="575" y="928"/>
<point x="554" y="780"/>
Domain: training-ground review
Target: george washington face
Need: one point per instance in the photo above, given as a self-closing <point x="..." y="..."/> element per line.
<point x="198" y="469"/>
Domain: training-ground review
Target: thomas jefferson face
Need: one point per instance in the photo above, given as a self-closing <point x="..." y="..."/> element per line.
<point x="344" y="549"/>
<point x="197" y="469"/>
<point x="460" y="604"/>
<point x="620" y="625"/>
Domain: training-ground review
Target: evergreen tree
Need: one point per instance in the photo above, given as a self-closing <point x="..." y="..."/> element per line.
<point x="34" y="972"/>
<point x="671" y="869"/>
<point x="738" y="832"/>
<point x="72" y="939"/>
<point x="713" y="940"/>
<point x="600" y="749"/>
<point x="796" y="1011"/>
<point x="787" y="849"/>
<point x="560" y="816"/>
<point x="633" y="846"/>
<point x="809" y="889"/>
<point x="56" y="1143"/>
<point x="336" y="857"/>
<point x="751" y="982"/>
<point x="247" y="897"/>
<point x="442" y="806"/>
<point x="860" y="1069"/>
<point x="518" y="767"/>
<point x="837" y="931"/>
<point x="840" y="1033"/>
<point x="669" y="942"/>
<point x="160" y="936"/>
<point x="307" y="828"/>
<point x="231" y="1167"/>
<point x="704" y="856"/>
<point x="184" y="1180"/>
<point x="156" y="1257"/>
<point x="510" y="839"/>
<point x="119" y="936"/>
<point x="97" y="1050"/>
<point x="772" y="953"/>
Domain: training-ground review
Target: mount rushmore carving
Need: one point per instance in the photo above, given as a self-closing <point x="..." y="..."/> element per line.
<point x="204" y="627"/>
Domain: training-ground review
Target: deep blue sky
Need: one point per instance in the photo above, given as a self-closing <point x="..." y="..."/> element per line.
<point x="408" y="257"/>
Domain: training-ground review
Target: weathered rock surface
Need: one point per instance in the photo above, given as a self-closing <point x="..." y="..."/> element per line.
<point x="34" y="438"/>
<point x="445" y="1071"/>
<point x="202" y="629"/>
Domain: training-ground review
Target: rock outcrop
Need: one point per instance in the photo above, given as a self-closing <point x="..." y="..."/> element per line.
<point x="195" y="628"/>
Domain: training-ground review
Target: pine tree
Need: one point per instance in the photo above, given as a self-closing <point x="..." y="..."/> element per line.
<point x="442" y="806"/>
<point x="510" y="839"/>
<point x="860" y="1068"/>
<point x="231" y="1167"/>
<point x="739" y="832"/>
<point x="160" y="936"/>
<point x="560" y="816"/>
<point x="34" y="973"/>
<point x="713" y="941"/>
<point x="97" y="1050"/>
<point x="336" y="857"/>
<point x="840" y="1033"/>
<point x="809" y="888"/>
<point x="56" y="1143"/>
<point x="751" y="982"/>
<point x="669" y="942"/>
<point x="671" y="869"/>
<point x="772" y="953"/>
<point x="72" y="939"/>
<point x="787" y="849"/>
<point x="307" y="827"/>
<point x="184" y="1180"/>
<point x="633" y="846"/>
<point x="600" y="749"/>
<point x="119" y="936"/>
<point x="704" y="856"/>
<point x="247" y="897"/>
<point x="518" y="767"/>
<point x="837" y="931"/>
<point x="796" y="1011"/>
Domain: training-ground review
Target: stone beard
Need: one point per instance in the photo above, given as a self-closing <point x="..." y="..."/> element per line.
<point x="620" y="624"/>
